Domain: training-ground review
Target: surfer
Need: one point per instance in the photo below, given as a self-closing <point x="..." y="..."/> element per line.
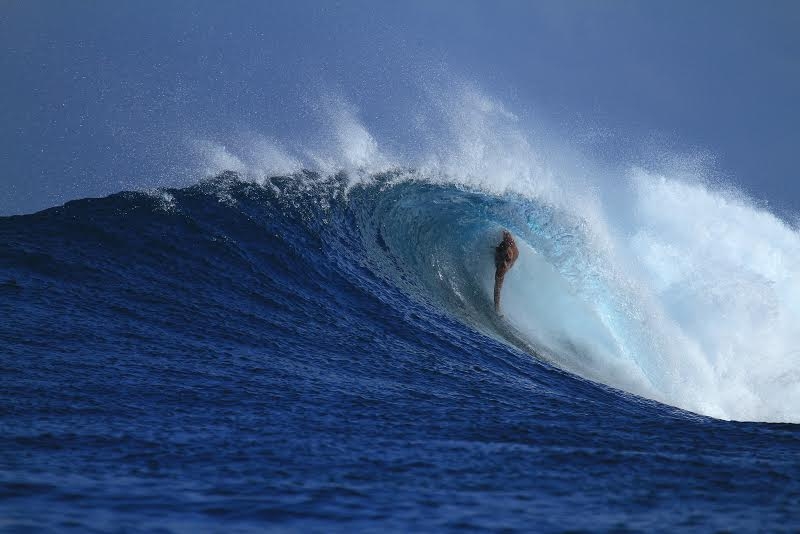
<point x="505" y="255"/>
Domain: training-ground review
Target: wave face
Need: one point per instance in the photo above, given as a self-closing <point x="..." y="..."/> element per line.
<point x="310" y="350"/>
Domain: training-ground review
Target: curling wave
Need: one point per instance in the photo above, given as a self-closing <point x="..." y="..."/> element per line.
<point x="654" y="282"/>
<point x="693" y="305"/>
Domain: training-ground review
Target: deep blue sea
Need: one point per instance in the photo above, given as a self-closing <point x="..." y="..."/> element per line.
<point x="306" y="354"/>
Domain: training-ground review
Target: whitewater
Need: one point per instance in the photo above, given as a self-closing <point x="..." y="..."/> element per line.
<point x="654" y="277"/>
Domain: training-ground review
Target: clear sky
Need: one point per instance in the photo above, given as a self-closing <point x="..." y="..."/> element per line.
<point x="98" y="96"/>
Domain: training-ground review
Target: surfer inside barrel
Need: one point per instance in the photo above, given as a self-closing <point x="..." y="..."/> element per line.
<point x="505" y="255"/>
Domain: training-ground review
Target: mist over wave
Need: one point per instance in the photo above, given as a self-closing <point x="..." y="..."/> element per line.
<point x="646" y="276"/>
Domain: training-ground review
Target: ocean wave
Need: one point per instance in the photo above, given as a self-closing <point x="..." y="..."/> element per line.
<point x="690" y="302"/>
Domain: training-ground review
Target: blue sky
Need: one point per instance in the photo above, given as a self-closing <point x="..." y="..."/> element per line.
<point x="98" y="96"/>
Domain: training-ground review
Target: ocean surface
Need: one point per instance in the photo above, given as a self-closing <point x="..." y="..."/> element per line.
<point x="311" y="352"/>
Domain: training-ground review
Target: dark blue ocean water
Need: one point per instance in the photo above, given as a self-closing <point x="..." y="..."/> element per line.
<point x="303" y="356"/>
